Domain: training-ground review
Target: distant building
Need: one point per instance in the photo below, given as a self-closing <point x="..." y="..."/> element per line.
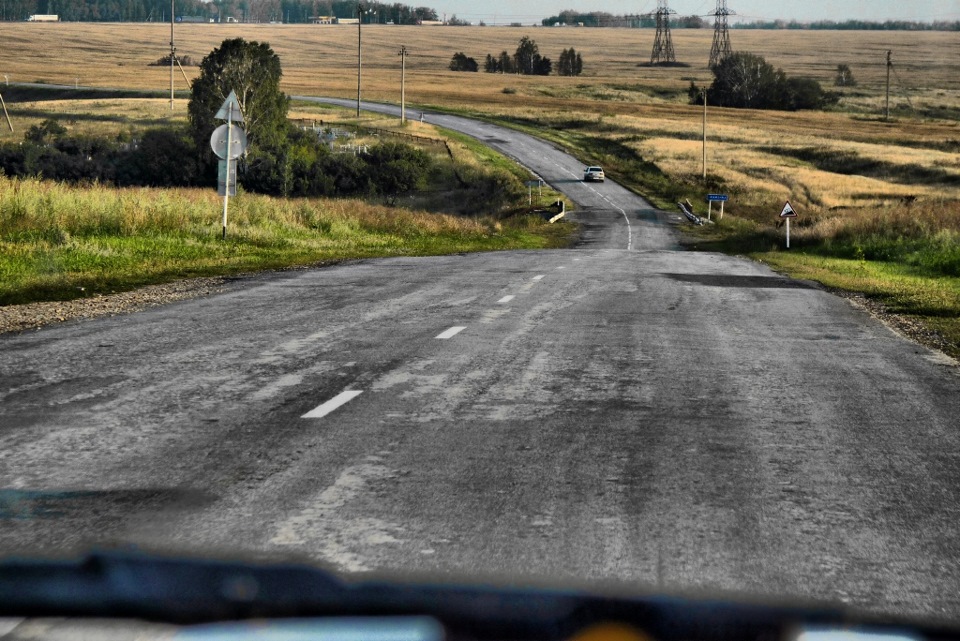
<point x="323" y="20"/>
<point x="430" y="23"/>
<point x="347" y="21"/>
<point x="44" y="17"/>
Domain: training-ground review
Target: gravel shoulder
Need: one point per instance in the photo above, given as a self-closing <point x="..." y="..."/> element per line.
<point x="33" y="316"/>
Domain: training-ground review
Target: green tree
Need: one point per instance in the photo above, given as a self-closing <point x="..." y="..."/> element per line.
<point x="528" y="61"/>
<point x="748" y="81"/>
<point x="252" y="70"/>
<point x="505" y="64"/>
<point x="527" y="56"/>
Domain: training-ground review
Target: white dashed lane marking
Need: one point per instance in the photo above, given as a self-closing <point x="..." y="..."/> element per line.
<point x="540" y="277"/>
<point x="450" y="333"/>
<point x="337" y="401"/>
<point x="506" y="299"/>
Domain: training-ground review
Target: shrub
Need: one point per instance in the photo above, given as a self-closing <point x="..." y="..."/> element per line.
<point x="48" y="129"/>
<point x="460" y="62"/>
<point x="396" y="168"/>
<point x="163" y="158"/>
<point x="844" y="77"/>
<point x="184" y="61"/>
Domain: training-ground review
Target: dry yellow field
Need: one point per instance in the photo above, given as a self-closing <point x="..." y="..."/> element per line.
<point x="643" y="107"/>
<point x="321" y="59"/>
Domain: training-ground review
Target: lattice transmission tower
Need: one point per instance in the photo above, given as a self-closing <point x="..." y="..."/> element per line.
<point x="721" y="33"/>
<point x="663" y="43"/>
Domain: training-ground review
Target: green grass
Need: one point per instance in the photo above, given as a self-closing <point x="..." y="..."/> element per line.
<point x="59" y="242"/>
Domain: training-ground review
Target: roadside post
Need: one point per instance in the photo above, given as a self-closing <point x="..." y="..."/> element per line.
<point x="228" y="142"/>
<point x="712" y="198"/>
<point x="787" y="213"/>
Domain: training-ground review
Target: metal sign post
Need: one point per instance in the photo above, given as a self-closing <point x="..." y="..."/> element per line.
<point x="788" y="212"/>
<point x="228" y="143"/>
<point x="711" y="198"/>
<point x="226" y="194"/>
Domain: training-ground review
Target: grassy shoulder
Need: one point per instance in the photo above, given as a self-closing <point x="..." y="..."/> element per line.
<point x="59" y="242"/>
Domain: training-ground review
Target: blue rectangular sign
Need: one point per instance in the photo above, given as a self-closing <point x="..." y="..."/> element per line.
<point x="716" y="197"/>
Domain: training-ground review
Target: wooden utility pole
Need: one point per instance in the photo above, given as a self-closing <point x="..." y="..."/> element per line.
<point x="703" y="92"/>
<point x="359" y="54"/>
<point x="889" y="66"/>
<point x="403" y="84"/>
<point x="5" y="114"/>
<point x="173" y="51"/>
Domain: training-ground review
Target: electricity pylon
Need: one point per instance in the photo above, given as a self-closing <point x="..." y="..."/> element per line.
<point x="663" y="43"/>
<point x="721" y="34"/>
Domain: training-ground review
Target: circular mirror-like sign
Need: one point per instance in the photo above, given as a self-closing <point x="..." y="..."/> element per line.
<point x="238" y="142"/>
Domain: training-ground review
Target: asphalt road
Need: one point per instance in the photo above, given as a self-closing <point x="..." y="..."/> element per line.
<point x="621" y="410"/>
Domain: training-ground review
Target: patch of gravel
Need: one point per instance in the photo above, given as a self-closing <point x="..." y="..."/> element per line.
<point x="20" y="318"/>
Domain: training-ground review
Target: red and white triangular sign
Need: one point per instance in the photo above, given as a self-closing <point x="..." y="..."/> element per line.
<point x="788" y="211"/>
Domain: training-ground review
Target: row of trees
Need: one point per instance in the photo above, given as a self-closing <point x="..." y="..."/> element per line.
<point x="294" y="11"/>
<point x="526" y="60"/>
<point x="853" y="25"/>
<point x="604" y="19"/>
<point x="747" y="80"/>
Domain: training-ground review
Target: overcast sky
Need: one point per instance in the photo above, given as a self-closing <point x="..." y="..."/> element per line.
<point x="528" y="12"/>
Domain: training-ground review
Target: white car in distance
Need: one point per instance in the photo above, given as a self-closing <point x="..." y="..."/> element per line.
<point x="593" y="174"/>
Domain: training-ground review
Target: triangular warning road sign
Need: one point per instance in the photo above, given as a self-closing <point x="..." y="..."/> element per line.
<point x="230" y="109"/>
<point x="788" y="211"/>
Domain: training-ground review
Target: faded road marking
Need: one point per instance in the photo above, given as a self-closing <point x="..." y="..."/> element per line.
<point x="540" y="277"/>
<point x="450" y="333"/>
<point x="492" y="315"/>
<point x="340" y="399"/>
<point x="506" y="299"/>
<point x="326" y="525"/>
